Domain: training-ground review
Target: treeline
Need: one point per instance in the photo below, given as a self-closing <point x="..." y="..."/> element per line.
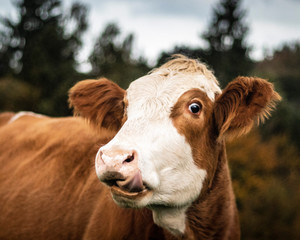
<point x="38" y="65"/>
<point x="38" y="53"/>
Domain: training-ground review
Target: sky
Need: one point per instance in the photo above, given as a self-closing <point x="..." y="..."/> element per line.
<point x="159" y="25"/>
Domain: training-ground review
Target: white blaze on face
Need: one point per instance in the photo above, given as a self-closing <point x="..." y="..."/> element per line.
<point x="164" y="156"/>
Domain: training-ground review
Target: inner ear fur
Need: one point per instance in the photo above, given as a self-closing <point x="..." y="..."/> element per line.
<point x="99" y="101"/>
<point x="244" y="102"/>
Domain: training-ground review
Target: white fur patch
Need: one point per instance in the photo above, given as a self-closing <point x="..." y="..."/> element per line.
<point x="23" y="113"/>
<point x="172" y="219"/>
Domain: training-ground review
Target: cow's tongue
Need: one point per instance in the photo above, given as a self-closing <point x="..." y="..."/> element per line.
<point x="132" y="184"/>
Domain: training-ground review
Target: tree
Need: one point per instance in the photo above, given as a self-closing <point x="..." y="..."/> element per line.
<point x="111" y="57"/>
<point x="227" y="51"/>
<point x="41" y="49"/>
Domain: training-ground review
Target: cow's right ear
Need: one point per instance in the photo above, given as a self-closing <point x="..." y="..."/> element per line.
<point x="99" y="101"/>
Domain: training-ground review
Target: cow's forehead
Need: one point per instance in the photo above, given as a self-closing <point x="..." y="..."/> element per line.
<point x="158" y="92"/>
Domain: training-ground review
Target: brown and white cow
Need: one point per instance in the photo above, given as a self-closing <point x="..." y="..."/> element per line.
<point x="159" y="147"/>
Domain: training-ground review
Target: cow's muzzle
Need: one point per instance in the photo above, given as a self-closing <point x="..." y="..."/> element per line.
<point x="119" y="170"/>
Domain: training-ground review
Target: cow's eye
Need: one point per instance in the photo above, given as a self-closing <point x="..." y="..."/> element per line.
<point x="195" y="108"/>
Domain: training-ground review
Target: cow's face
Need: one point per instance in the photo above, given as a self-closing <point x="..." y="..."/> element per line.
<point x="149" y="161"/>
<point x="170" y="125"/>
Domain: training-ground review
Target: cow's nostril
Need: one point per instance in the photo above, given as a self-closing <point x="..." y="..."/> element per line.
<point x="99" y="158"/>
<point x="129" y="159"/>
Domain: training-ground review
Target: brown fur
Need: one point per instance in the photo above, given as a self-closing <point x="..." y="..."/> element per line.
<point x="49" y="189"/>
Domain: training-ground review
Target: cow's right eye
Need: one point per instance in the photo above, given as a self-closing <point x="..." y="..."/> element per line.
<point x="195" y="108"/>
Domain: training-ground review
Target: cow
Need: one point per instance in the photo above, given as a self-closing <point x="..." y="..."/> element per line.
<point x="158" y="148"/>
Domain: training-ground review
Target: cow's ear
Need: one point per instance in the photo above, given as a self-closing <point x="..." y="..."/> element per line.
<point x="99" y="101"/>
<point x="243" y="102"/>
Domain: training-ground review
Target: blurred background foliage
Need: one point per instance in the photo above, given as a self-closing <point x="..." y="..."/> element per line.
<point x="38" y="66"/>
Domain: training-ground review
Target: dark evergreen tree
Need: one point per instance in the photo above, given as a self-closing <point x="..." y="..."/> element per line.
<point x="111" y="57"/>
<point x="227" y="51"/>
<point x="4" y="55"/>
<point x="40" y="48"/>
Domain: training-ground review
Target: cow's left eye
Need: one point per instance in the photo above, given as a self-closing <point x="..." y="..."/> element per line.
<point x="195" y="108"/>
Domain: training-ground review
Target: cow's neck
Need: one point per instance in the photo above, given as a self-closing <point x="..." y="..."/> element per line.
<point x="212" y="216"/>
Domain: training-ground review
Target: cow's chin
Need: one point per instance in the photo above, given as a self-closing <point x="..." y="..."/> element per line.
<point x="131" y="199"/>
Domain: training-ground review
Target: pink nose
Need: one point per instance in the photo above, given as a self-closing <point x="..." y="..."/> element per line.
<point x="120" y="168"/>
<point x="116" y="160"/>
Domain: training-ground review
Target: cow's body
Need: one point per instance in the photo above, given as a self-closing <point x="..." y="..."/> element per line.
<point x="180" y="183"/>
<point x="57" y="194"/>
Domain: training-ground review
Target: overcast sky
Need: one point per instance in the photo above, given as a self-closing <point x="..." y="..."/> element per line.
<point x="161" y="24"/>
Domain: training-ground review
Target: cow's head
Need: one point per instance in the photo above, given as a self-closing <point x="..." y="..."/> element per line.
<point x="170" y="125"/>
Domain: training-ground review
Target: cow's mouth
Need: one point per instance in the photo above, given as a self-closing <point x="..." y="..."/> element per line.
<point x="118" y="191"/>
<point x="131" y="187"/>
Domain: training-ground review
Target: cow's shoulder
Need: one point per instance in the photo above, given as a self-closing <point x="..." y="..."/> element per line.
<point x="54" y="139"/>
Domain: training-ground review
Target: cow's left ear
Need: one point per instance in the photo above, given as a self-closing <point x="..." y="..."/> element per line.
<point x="243" y="102"/>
